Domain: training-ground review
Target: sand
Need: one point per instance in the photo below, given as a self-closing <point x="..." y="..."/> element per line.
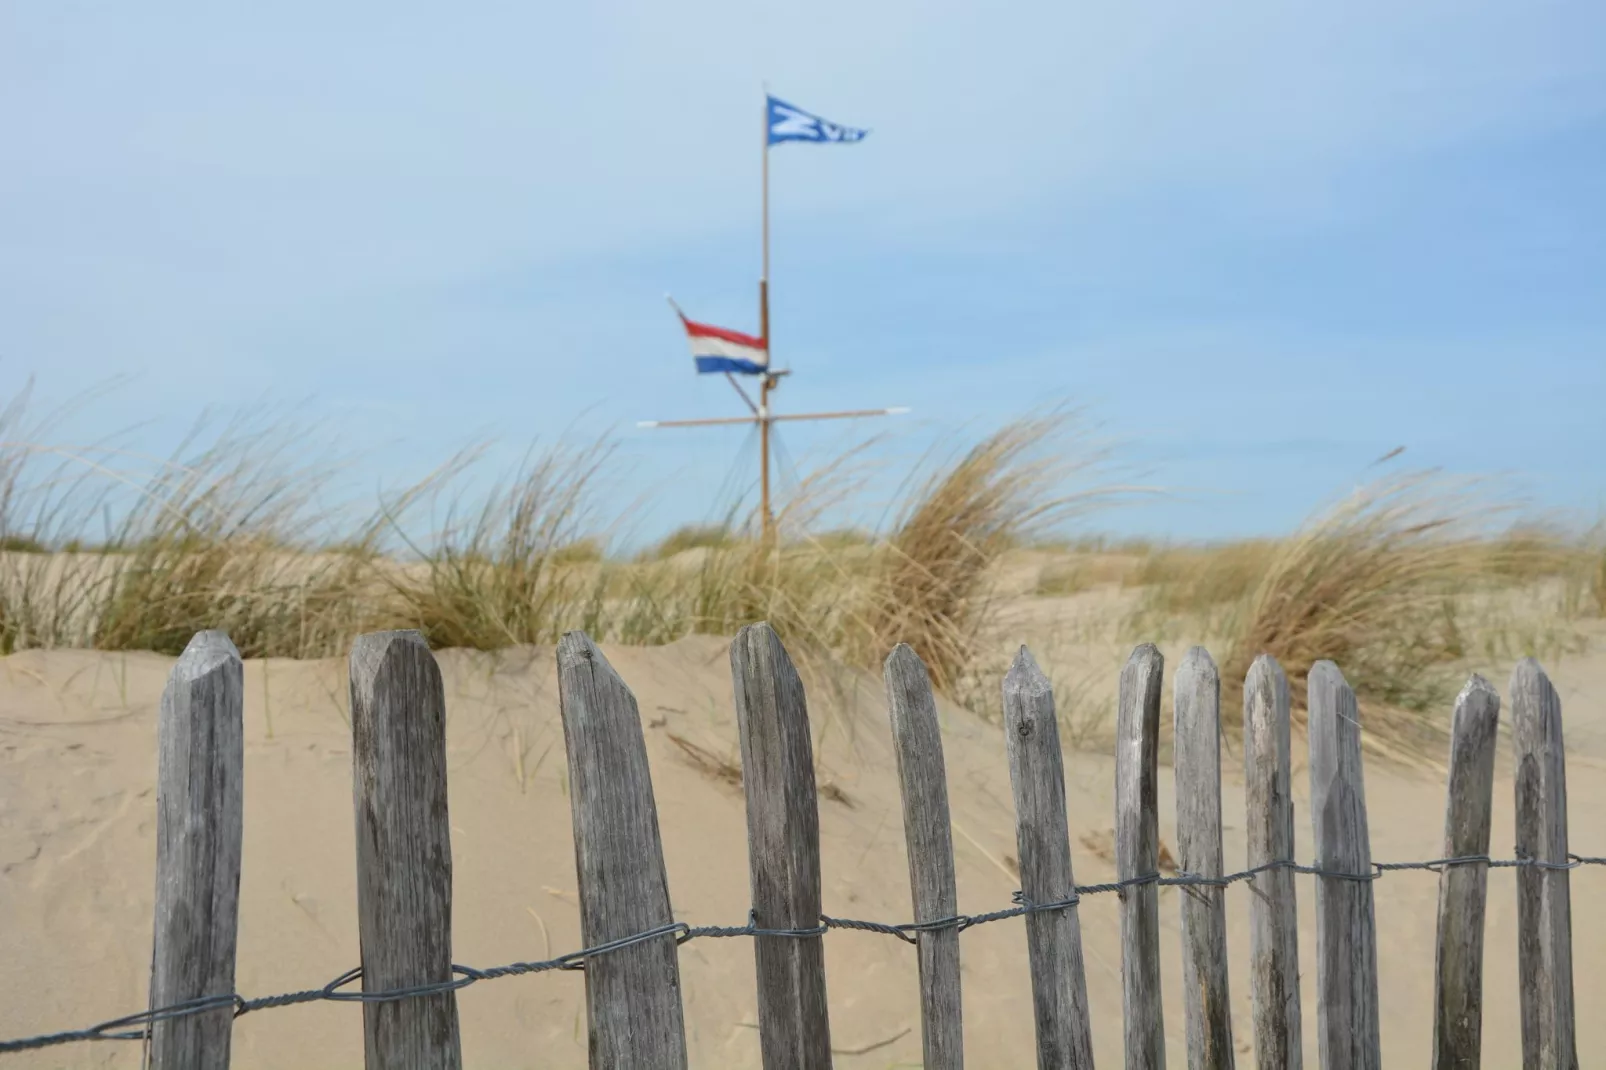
<point x="77" y="850"/>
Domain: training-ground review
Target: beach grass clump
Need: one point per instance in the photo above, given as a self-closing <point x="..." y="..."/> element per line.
<point x="1371" y="583"/>
<point x="521" y="565"/>
<point x="221" y="534"/>
<point x="716" y="579"/>
<point x="227" y="534"/>
<point x="931" y="584"/>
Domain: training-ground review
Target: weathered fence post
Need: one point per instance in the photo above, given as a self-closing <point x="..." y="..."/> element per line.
<point x="929" y="836"/>
<point x="1042" y="835"/>
<point x="1207" y="1005"/>
<point x="404" y="851"/>
<point x="1137" y="854"/>
<point x="633" y="1005"/>
<point x="199" y="819"/>
<point x="1346" y="925"/>
<point x="1463" y="888"/>
<point x="1269" y="827"/>
<point x="1544" y="905"/>
<point x="783" y="843"/>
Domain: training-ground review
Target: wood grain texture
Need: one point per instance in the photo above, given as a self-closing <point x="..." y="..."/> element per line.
<point x="404" y="851"/>
<point x="1207" y="1004"/>
<point x="783" y="844"/>
<point x="634" y="1016"/>
<point x="1463" y="890"/>
<point x="1053" y="938"/>
<point x="1137" y="854"/>
<point x="1346" y="925"/>
<point x="1544" y="905"/>
<point x="1269" y="828"/>
<point x="928" y="833"/>
<point x="199" y="821"/>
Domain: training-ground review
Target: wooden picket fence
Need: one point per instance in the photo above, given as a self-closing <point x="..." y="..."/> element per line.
<point x="632" y="983"/>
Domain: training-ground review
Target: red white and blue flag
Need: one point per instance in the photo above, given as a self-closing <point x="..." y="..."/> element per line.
<point x="716" y="349"/>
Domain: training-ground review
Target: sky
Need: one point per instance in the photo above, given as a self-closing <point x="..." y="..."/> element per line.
<point x="1258" y="245"/>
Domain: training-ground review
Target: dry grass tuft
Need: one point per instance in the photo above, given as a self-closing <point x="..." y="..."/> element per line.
<point x="930" y="587"/>
<point x="1370" y="584"/>
<point x="221" y="537"/>
<point x="218" y="536"/>
<point x="719" y="579"/>
<point x="522" y="568"/>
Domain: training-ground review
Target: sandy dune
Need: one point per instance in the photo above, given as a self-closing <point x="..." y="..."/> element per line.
<point x="77" y="767"/>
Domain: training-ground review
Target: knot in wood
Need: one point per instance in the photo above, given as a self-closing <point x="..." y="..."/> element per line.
<point x="1024" y="729"/>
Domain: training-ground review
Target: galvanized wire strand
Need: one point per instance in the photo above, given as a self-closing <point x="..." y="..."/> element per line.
<point x="137" y="1026"/>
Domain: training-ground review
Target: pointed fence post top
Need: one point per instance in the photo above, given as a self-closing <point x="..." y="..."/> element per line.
<point x="1197" y="660"/>
<point x="1266" y="665"/>
<point x="1536" y="727"/>
<point x="576" y="646"/>
<point x="908" y="683"/>
<point x="760" y="640"/>
<point x="764" y="675"/>
<point x="1327" y="676"/>
<point x="1529" y="673"/>
<point x="1024" y="676"/>
<point x="903" y="658"/>
<point x="1147" y="657"/>
<point x="1333" y="716"/>
<point x="1534" y="697"/>
<point x="1475" y="684"/>
<point x="370" y="651"/>
<point x="1266" y="695"/>
<point x="204" y="653"/>
<point x="1197" y="676"/>
<point x="1475" y="717"/>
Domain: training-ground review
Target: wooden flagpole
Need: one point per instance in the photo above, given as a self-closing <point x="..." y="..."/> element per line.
<point x="770" y="379"/>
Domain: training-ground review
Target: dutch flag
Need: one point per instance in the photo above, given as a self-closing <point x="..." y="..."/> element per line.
<point x="716" y="349"/>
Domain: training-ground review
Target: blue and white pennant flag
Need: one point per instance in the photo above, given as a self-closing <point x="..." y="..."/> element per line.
<point x="788" y="123"/>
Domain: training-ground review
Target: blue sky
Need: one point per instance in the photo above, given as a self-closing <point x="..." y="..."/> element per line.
<point x="1260" y="243"/>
